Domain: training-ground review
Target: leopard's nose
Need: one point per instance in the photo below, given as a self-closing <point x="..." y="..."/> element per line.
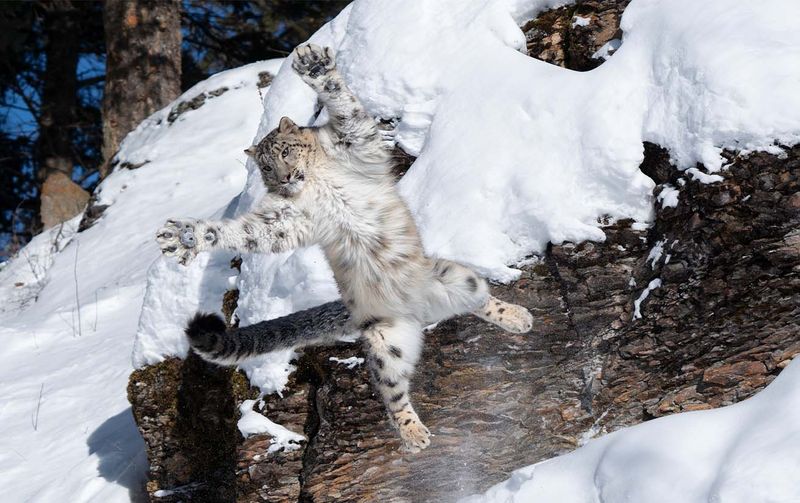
<point x="285" y="179"/>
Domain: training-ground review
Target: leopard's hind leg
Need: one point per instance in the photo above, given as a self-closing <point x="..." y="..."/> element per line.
<point x="463" y="291"/>
<point x="510" y="317"/>
<point x="393" y="347"/>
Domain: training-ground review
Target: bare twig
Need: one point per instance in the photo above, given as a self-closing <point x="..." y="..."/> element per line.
<point x="18" y="454"/>
<point x="95" y="311"/>
<point x="38" y="406"/>
<point x="57" y="237"/>
<point x="15" y="238"/>
<point x="34" y="266"/>
<point x="75" y="275"/>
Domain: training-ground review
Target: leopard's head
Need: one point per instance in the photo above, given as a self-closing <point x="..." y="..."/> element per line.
<point x="285" y="157"/>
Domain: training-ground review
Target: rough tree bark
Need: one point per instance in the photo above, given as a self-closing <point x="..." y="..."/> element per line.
<point x="60" y="197"/>
<point x="722" y="325"/>
<point x="143" y="66"/>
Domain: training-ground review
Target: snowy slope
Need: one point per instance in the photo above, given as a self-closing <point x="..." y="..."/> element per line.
<point x="67" y="431"/>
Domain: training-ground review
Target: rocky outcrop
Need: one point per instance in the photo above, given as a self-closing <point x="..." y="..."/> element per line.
<point x="721" y="268"/>
<point x="185" y="411"/>
<point x="726" y="318"/>
<point x="198" y="101"/>
<point x="578" y="36"/>
<point x="721" y="325"/>
<point x="61" y="199"/>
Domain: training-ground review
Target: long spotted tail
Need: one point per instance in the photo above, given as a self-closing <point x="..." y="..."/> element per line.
<point x="213" y="341"/>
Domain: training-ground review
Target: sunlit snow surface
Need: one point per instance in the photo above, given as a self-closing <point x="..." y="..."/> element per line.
<point x="67" y="430"/>
<point x="513" y="153"/>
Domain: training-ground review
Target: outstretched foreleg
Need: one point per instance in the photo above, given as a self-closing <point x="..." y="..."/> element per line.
<point x="269" y="229"/>
<point x="350" y="123"/>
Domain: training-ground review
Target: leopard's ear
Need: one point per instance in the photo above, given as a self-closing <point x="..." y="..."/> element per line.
<point x="251" y="151"/>
<point x="287" y="125"/>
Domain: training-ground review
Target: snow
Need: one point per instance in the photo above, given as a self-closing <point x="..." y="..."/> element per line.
<point x="270" y="372"/>
<point x="22" y="279"/>
<point x="581" y="21"/>
<point x="513" y="153"/>
<point x="253" y="423"/>
<point x="68" y="432"/>
<point x="655" y="253"/>
<point x="607" y="49"/>
<point x="668" y="197"/>
<point x="703" y="177"/>
<point x="207" y="143"/>
<point x="187" y="489"/>
<point x="744" y="453"/>
<point x="637" y="304"/>
<point x="350" y="362"/>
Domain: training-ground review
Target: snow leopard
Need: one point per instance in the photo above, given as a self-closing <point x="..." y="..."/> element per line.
<point x="333" y="186"/>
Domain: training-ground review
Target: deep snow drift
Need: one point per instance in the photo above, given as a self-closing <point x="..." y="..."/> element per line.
<point x="513" y="153"/>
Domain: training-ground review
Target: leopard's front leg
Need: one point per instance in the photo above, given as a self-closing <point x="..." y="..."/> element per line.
<point x="349" y="120"/>
<point x="315" y="65"/>
<point x="274" y="227"/>
<point x="184" y="238"/>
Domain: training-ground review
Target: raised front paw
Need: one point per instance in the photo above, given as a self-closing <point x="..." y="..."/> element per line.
<point x="177" y="239"/>
<point x="313" y="63"/>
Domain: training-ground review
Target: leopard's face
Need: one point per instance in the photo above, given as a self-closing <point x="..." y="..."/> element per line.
<point x="284" y="158"/>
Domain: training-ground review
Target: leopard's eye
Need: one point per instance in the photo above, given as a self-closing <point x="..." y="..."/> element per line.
<point x="285" y="152"/>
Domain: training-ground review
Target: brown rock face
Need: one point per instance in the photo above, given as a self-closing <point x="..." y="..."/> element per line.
<point x="61" y="199"/>
<point x="726" y="318"/>
<point x="185" y="411"/>
<point x="569" y="36"/>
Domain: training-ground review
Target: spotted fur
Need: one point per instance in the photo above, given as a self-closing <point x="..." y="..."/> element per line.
<point x="333" y="186"/>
